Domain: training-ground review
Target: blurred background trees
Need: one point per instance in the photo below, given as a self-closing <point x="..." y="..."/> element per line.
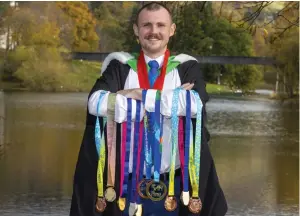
<point x="33" y="34"/>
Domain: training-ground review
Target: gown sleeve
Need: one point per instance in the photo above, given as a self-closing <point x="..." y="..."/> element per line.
<point x="84" y="182"/>
<point x="211" y="194"/>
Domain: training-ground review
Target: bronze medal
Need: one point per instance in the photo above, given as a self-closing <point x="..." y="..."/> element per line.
<point x="170" y="203"/>
<point x="156" y="191"/>
<point x="142" y="186"/>
<point x="110" y="194"/>
<point x="195" y="205"/>
<point x="100" y="204"/>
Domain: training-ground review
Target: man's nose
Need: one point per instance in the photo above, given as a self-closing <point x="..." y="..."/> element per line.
<point x="154" y="29"/>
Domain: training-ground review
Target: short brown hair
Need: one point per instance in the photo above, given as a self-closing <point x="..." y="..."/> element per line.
<point x="152" y="6"/>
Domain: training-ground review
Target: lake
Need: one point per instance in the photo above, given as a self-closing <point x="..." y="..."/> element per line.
<point x="255" y="145"/>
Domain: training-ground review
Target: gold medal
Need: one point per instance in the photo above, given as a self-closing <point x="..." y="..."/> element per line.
<point x="122" y="203"/>
<point x="156" y="191"/>
<point x="110" y="194"/>
<point x="100" y="204"/>
<point x="195" y="205"/>
<point x="170" y="203"/>
<point x="141" y="189"/>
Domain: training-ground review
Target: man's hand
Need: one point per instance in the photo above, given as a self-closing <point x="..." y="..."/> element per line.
<point x="135" y="93"/>
<point x="187" y="86"/>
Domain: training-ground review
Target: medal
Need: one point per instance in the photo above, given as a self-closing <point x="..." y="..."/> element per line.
<point x="100" y="204"/>
<point x="185" y="197"/>
<point x="170" y="203"/>
<point x="142" y="186"/>
<point x="110" y="194"/>
<point x="156" y="191"/>
<point x="132" y="209"/>
<point x="122" y="203"/>
<point x="139" y="210"/>
<point x="195" y="205"/>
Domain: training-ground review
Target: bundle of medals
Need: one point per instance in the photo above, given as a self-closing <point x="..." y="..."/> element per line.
<point x="147" y="150"/>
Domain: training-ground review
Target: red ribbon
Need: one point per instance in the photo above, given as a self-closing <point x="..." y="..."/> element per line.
<point x="143" y="73"/>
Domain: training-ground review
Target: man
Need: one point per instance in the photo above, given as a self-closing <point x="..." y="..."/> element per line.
<point x="123" y="76"/>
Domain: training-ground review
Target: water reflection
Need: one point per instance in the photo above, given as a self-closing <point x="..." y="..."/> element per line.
<point x="254" y="143"/>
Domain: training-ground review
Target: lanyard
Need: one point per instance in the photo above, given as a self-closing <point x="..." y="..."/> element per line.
<point x="187" y="141"/>
<point x="157" y="138"/>
<point x="195" y="154"/>
<point x="100" y="146"/>
<point x="147" y="147"/>
<point x="126" y="154"/>
<point x="111" y="140"/>
<point x="135" y="168"/>
<point x="174" y="121"/>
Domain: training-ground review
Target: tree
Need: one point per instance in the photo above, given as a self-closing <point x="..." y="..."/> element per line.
<point x="115" y="25"/>
<point x="84" y="26"/>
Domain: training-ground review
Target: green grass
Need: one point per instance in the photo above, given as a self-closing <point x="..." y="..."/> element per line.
<point x="217" y="89"/>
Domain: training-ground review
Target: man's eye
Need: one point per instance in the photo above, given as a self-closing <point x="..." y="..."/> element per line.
<point x="160" y="25"/>
<point x="147" y="24"/>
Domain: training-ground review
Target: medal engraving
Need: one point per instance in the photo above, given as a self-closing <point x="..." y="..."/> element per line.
<point x="100" y="204"/>
<point x="195" y="205"/>
<point x="156" y="191"/>
<point x="110" y="194"/>
<point x="170" y="203"/>
<point x="142" y="186"/>
<point x="122" y="203"/>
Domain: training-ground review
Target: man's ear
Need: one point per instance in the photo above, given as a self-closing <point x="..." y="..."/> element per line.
<point x="173" y="28"/>
<point x="136" y="30"/>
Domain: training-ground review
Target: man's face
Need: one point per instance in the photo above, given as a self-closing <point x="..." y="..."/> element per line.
<point x="154" y="30"/>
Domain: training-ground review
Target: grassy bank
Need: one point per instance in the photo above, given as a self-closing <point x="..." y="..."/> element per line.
<point x="79" y="77"/>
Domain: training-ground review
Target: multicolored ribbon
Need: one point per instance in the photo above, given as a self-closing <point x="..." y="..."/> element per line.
<point x="195" y="155"/>
<point x="174" y="135"/>
<point x="100" y="146"/>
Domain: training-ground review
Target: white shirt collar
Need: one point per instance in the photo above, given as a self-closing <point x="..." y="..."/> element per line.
<point x="160" y="60"/>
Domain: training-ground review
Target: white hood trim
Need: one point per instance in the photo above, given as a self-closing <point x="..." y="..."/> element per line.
<point x="122" y="57"/>
<point x="184" y="58"/>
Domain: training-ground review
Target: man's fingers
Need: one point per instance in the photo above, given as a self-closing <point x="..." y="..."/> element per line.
<point x="187" y="86"/>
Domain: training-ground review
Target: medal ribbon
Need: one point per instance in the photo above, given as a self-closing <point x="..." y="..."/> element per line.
<point x="157" y="137"/>
<point x="187" y="141"/>
<point x="147" y="147"/>
<point x="111" y="139"/>
<point x="181" y="146"/>
<point x="194" y="159"/>
<point x="141" y="158"/>
<point x="174" y="122"/>
<point x="100" y="147"/>
<point x="135" y="168"/>
<point x="123" y="152"/>
<point x="128" y="139"/>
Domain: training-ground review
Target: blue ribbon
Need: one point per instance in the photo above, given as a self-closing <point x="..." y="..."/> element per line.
<point x="98" y="126"/>
<point x="128" y="139"/>
<point x="187" y="141"/>
<point x="147" y="138"/>
<point x="157" y="136"/>
<point x="135" y="150"/>
<point x="142" y="158"/>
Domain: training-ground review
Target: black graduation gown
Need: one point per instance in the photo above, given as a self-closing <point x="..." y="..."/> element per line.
<point x="85" y="186"/>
